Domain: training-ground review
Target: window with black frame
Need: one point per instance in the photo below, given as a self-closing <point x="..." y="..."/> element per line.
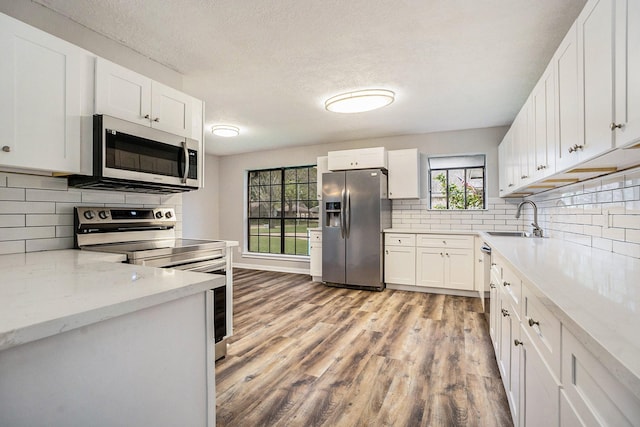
<point x="281" y="206"/>
<point x="457" y="182"/>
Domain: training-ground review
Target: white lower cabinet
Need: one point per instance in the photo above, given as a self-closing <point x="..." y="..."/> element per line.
<point x="549" y="376"/>
<point x="592" y="395"/>
<point x="429" y="260"/>
<point x="539" y="388"/>
<point x="315" y="255"/>
<point x="445" y="261"/>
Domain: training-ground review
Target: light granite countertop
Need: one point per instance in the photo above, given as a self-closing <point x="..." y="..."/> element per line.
<point x="46" y="293"/>
<point x="594" y="293"/>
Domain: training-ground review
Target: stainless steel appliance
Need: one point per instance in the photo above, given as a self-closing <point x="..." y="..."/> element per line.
<point x="147" y="237"/>
<point x="355" y="211"/>
<point x="486" y="279"/>
<point x="131" y="157"/>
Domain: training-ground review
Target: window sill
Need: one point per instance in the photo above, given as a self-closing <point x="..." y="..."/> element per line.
<point x="279" y="257"/>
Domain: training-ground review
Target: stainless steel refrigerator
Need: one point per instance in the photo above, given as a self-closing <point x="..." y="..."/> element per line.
<point x="355" y="211"/>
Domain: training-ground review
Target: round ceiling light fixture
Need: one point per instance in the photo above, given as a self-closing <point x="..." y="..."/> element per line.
<point x="359" y="101"/>
<point x="226" y="131"/>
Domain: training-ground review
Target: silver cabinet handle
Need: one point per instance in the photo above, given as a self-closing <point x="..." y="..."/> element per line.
<point x="533" y="322"/>
<point x="447" y="254"/>
<point x="186" y="162"/>
<point x="510" y="185"/>
<point x="146" y="116"/>
<point x="615" y="126"/>
<point x="517" y="342"/>
<point x="386" y="252"/>
<point x="441" y="254"/>
<point x="6" y="149"/>
<point x="575" y="148"/>
<point x="506" y="284"/>
<point x="492" y="286"/>
<point x="157" y="119"/>
<point x="524" y="177"/>
<point x="505" y="313"/>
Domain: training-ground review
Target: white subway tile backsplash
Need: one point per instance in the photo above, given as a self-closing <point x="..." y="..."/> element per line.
<point x="12" y="247"/>
<point x="11" y="207"/>
<point x="36" y="212"/>
<point x="12" y="220"/>
<point x="36" y="245"/>
<point x="36" y="181"/>
<point x="23" y="233"/>
<point x="52" y="219"/>
<point x="625" y="248"/>
<point x="12" y="194"/>
<point x="53" y="196"/>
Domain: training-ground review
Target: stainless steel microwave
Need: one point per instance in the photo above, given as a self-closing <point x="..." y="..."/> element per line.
<point x="132" y="157"/>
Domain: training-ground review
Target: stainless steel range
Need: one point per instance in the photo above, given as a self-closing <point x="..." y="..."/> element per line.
<point x="147" y="237"/>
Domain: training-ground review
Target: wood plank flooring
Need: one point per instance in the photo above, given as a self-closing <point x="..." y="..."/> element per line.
<point x="304" y="354"/>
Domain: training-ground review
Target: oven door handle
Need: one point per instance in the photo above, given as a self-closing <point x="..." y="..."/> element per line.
<point x="186" y="161"/>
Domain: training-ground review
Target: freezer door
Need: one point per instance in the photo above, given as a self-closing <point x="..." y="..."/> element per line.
<point x="333" y="238"/>
<point x="363" y="228"/>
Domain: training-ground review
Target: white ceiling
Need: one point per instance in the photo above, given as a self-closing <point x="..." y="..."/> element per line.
<point x="268" y="66"/>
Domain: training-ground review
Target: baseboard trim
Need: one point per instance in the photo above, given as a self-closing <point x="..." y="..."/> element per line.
<point x="458" y="292"/>
<point x="271" y="268"/>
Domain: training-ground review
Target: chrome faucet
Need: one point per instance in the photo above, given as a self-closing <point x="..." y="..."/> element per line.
<point x="537" y="231"/>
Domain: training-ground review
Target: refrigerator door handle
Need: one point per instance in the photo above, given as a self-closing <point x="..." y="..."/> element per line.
<point x="348" y="216"/>
<point x="342" y="208"/>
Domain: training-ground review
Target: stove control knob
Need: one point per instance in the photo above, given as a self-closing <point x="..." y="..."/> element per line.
<point x="168" y="214"/>
<point x="89" y="214"/>
<point x="103" y="214"/>
<point x="159" y="214"/>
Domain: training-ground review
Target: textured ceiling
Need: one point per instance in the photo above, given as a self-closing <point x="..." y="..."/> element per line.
<point x="268" y="66"/>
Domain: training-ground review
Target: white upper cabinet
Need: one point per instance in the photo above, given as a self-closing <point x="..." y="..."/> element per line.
<point x="404" y="174"/>
<point x="544" y="125"/>
<point x="42" y="82"/>
<point x="627" y="69"/>
<point x="130" y="96"/>
<point x="595" y="39"/>
<point x="363" y="158"/>
<point x="568" y="133"/>
<point x="322" y="167"/>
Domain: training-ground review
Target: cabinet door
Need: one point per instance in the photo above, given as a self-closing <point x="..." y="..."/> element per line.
<point x="544" y="125"/>
<point x="41" y="82"/>
<point x="315" y="264"/>
<point x="171" y="110"/>
<point x="404" y="174"/>
<point x="430" y="267"/>
<point x="509" y="362"/>
<point x="595" y="38"/>
<point x="340" y="160"/>
<point x="122" y="93"/>
<point x="459" y="269"/>
<point x="627" y="66"/>
<point x="503" y="164"/>
<point x="568" y="133"/>
<point x="494" y="314"/>
<point x="322" y="167"/>
<point x="370" y="158"/>
<point x="539" y="390"/>
<point x="400" y="265"/>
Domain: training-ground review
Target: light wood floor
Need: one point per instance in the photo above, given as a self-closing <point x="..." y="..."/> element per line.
<point x="304" y="354"/>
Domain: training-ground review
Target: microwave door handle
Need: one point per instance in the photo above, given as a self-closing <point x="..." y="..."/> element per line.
<point x="186" y="161"/>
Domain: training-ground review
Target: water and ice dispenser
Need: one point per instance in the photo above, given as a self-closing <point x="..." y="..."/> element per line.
<point x="332" y="210"/>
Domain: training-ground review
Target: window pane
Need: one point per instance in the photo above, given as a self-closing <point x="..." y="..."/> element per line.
<point x="274" y="228"/>
<point x="456" y="188"/>
<point x="438" y="190"/>
<point x="289" y="175"/>
<point x="254" y="193"/>
<point x="303" y="175"/>
<point x="264" y="209"/>
<point x="254" y="178"/>
<point x="265" y="177"/>
<point x="276" y="193"/>
<point x="274" y="245"/>
<point x="314" y="223"/>
<point x="263" y="244"/>
<point x="313" y="174"/>
<point x="276" y="177"/>
<point x="475" y="188"/>
<point x="253" y="244"/>
<point x="314" y="208"/>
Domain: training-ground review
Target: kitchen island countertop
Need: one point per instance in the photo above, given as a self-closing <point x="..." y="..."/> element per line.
<point x="47" y="293"/>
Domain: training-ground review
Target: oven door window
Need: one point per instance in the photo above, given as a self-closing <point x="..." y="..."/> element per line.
<point x="127" y="152"/>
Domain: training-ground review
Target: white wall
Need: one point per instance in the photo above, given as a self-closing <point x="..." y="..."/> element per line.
<point x="53" y="23"/>
<point x="232" y="171"/>
<point x="202" y="207"/>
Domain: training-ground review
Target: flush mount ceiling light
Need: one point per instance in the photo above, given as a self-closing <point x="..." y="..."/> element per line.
<point x="226" y="131"/>
<point x="359" y="101"/>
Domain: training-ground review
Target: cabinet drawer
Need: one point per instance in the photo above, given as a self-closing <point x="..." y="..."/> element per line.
<point x="544" y="329"/>
<point x="511" y="287"/>
<point x="595" y="395"/>
<point x="393" y="239"/>
<point x="444" y="241"/>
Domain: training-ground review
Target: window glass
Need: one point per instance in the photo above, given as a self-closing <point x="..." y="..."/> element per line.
<point x="457" y="182"/>
<point x="282" y="206"/>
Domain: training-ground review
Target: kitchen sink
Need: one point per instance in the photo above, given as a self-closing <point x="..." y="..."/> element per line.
<point x="510" y="233"/>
